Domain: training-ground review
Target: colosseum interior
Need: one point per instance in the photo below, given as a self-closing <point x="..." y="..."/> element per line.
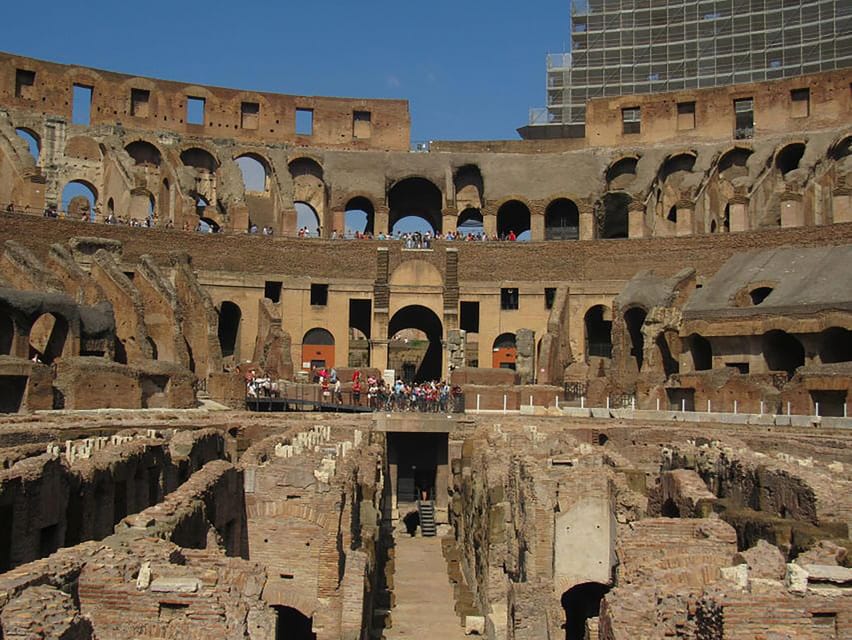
<point x="647" y="431"/>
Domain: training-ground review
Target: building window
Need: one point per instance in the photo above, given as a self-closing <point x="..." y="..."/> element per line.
<point x="81" y="104"/>
<point x="272" y="290"/>
<point x="139" y="101"/>
<point x="549" y="297"/>
<point x="469" y="317"/>
<point x="685" y="116"/>
<point x="319" y="295"/>
<point x="24" y="84"/>
<point x="304" y="122"/>
<point x="508" y="299"/>
<point x="744" y="118"/>
<point x="195" y="110"/>
<point x="631" y="120"/>
<point x="362" y="124"/>
<point x="800" y="103"/>
<point x="249" y="115"/>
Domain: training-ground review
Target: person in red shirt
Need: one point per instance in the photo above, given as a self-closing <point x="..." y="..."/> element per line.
<point x="511" y="237"/>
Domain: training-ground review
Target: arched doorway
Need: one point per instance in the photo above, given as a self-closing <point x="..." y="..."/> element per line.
<point x="230" y="316"/>
<point x="308" y="219"/>
<point x="783" y="352"/>
<point x="513" y="217"/>
<point x="47" y="337"/>
<point x="562" y="220"/>
<point x="424" y="319"/>
<point x="359" y="217"/>
<point x="318" y="348"/>
<point x="412" y="199"/>
<point x="79" y="199"/>
<point x="598" y="323"/>
<point x="701" y="351"/>
<point x="504" y="352"/>
<point x="144" y="154"/>
<point x="292" y="624"/>
<point x="470" y="222"/>
<point x="580" y="603"/>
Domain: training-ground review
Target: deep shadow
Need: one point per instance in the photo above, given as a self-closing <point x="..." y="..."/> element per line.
<point x="580" y="603"/>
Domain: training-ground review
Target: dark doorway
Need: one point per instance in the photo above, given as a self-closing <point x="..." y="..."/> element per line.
<point x="783" y="352"/>
<point x="702" y="352"/>
<point x="681" y="399"/>
<point x="831" y="402"/>
<point x="580" y="603"/>
<point x="670" y="364"/>
<point x="598" y="333"/>
<point x="634" y="319"/>
<point x="229" y="328"/>
<point x="7" y="335"/>
<point x="6" y="519"/>
<point x="836" y="345"/>
<point x="614" y="222"/>
<point x="12" y="390"/>
<point x="424" y="319"/>
<point x="416" y="457"/>
<point x="292" y="624"/>
<point x="562" y="220"/>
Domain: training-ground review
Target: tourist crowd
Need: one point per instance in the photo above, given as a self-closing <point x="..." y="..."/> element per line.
<point x="425" y="397"/>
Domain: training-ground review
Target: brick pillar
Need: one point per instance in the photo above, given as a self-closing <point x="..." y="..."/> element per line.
<point x="792" y="214"/>
<point x="338" y="221"/>
<point x="536" y="226"/>
<point x="841" y="204"/>
<point x="450" y="218"/>
<point x="635" y="219"/>
<point x="288" y="221"/>
<point x="738" y="214"/>
<point x="685" y="213"/>
<point x="587" y="221"/>
<point x="489" y="221"/>
<point x="380" y="225"/>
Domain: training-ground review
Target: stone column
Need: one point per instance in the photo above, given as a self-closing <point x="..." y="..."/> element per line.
<point x="791" y="210"/>
<point x="635" y="219"/>
<point x="536" y="226"/>
<point x="525" y="361"/>
<point x="489" y="221"/>
<point x="685" y="211"/>
<point x="450" y="218"/>
<point x="381" y="219"/>
<point x="587" y="221"/>
<point x="338" y="221"/>
<point x="738" y="214"/>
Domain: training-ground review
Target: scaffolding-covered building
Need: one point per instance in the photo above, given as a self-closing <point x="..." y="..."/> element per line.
<point x="621" y="47"/>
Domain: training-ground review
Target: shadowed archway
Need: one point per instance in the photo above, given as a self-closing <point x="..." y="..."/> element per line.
<point x="424" y="319"/>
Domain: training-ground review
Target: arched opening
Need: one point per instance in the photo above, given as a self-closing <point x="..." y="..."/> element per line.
<point x="835" y="345"/>
<point x="230" y="316"/>
<point x="621" y="173"/>
<point x="292" y="624"/>
<point x="152" y="346"/>
<point x="7" y="334"/>
<point x="32" y="140"/>
<point x="199" y="159"/>
<point x="424" y="319"/>
<point x="615" y="218"/>
<point x="701" y="351"/>
<point x="734" y="163"/>
<point x="469" y="187"/>
<point x="562" y="220"/>
<point x="598" y="332"/>
<point x="670" y="364"/>
<point x="470" y="222"/>
<point x="144" y="153"/>
<point x="308" y="219"/>
<point x="415" y="198"/>
<point x="713" y="226"/>
<point x="513" y="218"/>
<point x="79" y="199"/>
<point x="580" y="603"/>
<point x="783" y="352"/>
<point x="255" y="172"/>
<point x="634" y="318"/>
<point x="305" y="167"/>
<point x="47" y="337"/>
<point x="760" y="294"/>
<point x="318" y="348"/>
<point x="788" y="158"/>
<point x="670" y="509"/>
<point x="406" y="350"/>
<point x="841" y="149"/>
<point x="680" y="163"/>
<point x="504" y="352"/>
<point x="360" y="217"/>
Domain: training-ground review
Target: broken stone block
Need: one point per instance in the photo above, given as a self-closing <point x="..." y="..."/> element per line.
<point x="175" y="585"/>
<point x="474" y="625"/>
<point x="764" y="560"/>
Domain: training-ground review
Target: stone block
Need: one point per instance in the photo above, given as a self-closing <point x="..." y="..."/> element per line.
<point x="175" y="585"/>
<point x="474" y="625"/>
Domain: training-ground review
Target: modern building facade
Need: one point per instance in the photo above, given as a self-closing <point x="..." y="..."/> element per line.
<point x="622" y="47"/>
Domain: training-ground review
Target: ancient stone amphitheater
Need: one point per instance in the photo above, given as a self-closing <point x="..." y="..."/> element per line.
<point x="648" y="435"/>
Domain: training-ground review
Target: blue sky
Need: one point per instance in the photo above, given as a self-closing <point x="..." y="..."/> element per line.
<point x="471" y="70"/>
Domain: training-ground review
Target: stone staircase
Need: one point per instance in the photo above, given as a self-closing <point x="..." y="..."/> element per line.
<point x="426" y="509"/>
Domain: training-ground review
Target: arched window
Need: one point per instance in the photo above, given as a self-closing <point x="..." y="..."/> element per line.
<point x="307" y="218"/>
<point x="513" y="217"/>
<point x="32" y="140"/>
<point x="598" y="333"/>
<point x="621" y="173"/>
<point x="79" y="199"/>
<point x="783" y="352"/>
<point x="230" y="316"/>
<point x="562" y="220"/>
<point x="318" y="348"/>
<point x="48" y="335"/>
<point x="581" y="602"/>
<point x="199" y="159"/>
<point x="788" y="158"/>
<point x="470" y="222"/>
<point x="144" y="153"/>
<point x="255" y="172"/>
<point x="360" y="216"/>
<point x="415" y="205"/>
<point x="505" y="351"/>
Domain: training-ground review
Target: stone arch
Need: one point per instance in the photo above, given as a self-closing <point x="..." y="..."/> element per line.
<point x="513" y="215"/>
<point x="427" y="321"/>
<point x="230" y="321"/>
<point x="788" y="157"/>
<point x="581" y="602"/>
<point x="621" y="173"/>
<point x="733" y="163"/>
<point x="305" y="166"/>
<point x="73" y="198"/>
<point x="152" y="347"/>
<point x="782" y="352"/>
<point x="469" y="187"/>
<point x="142" y="204"/>
<point x="83" y="148"/>
<point x="318" y="348"/>
<point x="48" y="337"/>
<point x="307" y="217"/>
<point x="598" y="332"/>
<point x="840" y="148"/>
<point x="470" y="221"/>
<point x="677" y="163"/>
<point x="200" y="159"/>
<point x="504" y="351"/>
<point x="416" y="197"/>
<point x="256" y="171"/>
<point x="359" y="215"/>
<point x="309" y="187"/>
<point x="144" y="153"/>
<point x="33" y="141"/>
<point x="562" y="220"/>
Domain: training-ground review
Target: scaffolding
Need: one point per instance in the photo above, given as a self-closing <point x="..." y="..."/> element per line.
<point x="622" y="47"/>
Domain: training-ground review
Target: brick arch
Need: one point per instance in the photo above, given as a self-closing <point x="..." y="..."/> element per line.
<point x="286" y="509"/>
<point x="280" y="595"/>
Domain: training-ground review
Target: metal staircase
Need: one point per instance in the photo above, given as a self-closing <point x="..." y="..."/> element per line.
<point x="426" y="510"/>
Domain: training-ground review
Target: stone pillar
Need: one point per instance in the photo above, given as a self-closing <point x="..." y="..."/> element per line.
<point x="489" y="221"/>
<point x="791" y="210"/>
<point x="587" y="221"/>
<point x="635" y="219"/>
<point x="536" y="227"/>
<point x="685" y="212"/>
<point x="382" y="215"/>
<point x="456" y="339"/>
<point x="525" y="360"/>
<point x="738" y="212"/>
<point x="841" y="204"/>
<point x="338" y="221"/>
<point x="379" y="347"/>
<point x="288" y="224"/>
<point x="450" y="218"/>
